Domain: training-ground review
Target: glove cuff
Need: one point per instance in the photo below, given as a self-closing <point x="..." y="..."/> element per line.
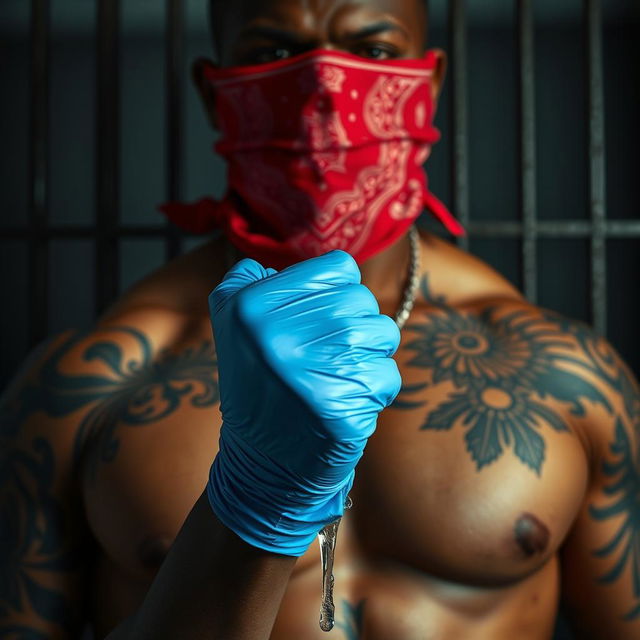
<point x="255" y="506"/>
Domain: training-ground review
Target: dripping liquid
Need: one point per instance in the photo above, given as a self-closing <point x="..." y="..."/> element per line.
<point x="327" y="538"/>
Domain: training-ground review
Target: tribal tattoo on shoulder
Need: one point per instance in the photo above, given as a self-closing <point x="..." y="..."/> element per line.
<point x="502" y="366"/>
<point x="132" y="393"/>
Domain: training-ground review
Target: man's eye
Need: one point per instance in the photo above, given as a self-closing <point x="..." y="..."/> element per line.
<point x="376" y="52"/>
<point x="271" y="54"/>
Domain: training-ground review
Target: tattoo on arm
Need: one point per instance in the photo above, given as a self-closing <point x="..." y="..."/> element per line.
<point x="134" y="393"/>
<point x="33" y="539"/>
<point x="622" y="495"/>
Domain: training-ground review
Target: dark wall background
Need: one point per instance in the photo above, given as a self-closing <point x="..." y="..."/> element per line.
<point x="492" y="64"/>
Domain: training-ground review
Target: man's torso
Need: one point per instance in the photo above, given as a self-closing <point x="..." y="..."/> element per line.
<point x="461" y="501"/>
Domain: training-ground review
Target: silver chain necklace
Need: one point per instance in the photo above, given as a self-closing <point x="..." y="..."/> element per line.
<point x="413" y="276"/>
<point x="413" y="280"/>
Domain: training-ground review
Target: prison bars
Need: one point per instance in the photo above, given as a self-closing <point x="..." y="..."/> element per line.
<point x="108" y="231"/>
<point x="529" y="229"/>
<point x="38" y="298"/>
<point x="526" y="108"/>
<point x="174" y="43"/>
<point x="108" y="152"/>
<point x="596" y="173"/>
<point x="460" y="138"/>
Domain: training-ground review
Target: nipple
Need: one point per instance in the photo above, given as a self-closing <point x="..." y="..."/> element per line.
<point x="531" y="535"/>
<point x="327" y="538"/>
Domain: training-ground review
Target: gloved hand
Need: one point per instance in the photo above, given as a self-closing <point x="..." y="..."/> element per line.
<point x="304" y="361"/>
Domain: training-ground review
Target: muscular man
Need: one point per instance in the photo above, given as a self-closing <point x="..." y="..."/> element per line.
<point x="503" y="479"/>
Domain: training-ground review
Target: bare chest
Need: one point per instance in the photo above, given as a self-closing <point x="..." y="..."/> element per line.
<point x="424" y="494"/>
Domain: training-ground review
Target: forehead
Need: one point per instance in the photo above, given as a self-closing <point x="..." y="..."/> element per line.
<point x="230" y="17"/>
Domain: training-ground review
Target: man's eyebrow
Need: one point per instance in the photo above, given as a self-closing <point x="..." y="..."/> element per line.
<point x="375" y="29"/>
<point x="282" y="35"/>
<point x="272" y="33"/>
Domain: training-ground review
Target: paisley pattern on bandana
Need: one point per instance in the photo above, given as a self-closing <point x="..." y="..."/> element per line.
<point x="325" y="151"/>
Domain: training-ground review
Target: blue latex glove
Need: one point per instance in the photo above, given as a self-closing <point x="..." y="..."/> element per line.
<point x="304" y="360"/>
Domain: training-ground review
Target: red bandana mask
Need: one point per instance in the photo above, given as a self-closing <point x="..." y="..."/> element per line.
<point x="325" y="151"/>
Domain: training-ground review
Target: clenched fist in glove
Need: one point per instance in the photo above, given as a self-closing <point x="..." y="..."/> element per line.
<point x="305" y="367"/>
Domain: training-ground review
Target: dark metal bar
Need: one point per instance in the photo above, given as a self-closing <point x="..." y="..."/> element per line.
<point x="596" y="164"/>
<point x="459" y="155"/>
<point x="16" y="233"/>
<point x="622" y="228"/>
<point x="108" y="149"/>
<point x="174" y="42"/>
<point x="39" y="172"/>
<point x="526" y="99"/>
<point x="561" y="228"/>
<point x="156" y="231"/>
<point x="564" y="229"/>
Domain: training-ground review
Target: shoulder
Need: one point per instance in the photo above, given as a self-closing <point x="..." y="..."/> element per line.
<point x="72" y="374"/>
<point x="181" y="285"/>
<point x="558" y="358"/>
<point x="78" y="380"/>
<point x="460" y="277"/>
<point x="569" y="360"/>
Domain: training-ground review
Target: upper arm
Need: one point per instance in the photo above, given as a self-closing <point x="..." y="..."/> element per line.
<point x="58" y="421"/>
<point x="601" y="558"/>
<point x="42" y="533"/>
